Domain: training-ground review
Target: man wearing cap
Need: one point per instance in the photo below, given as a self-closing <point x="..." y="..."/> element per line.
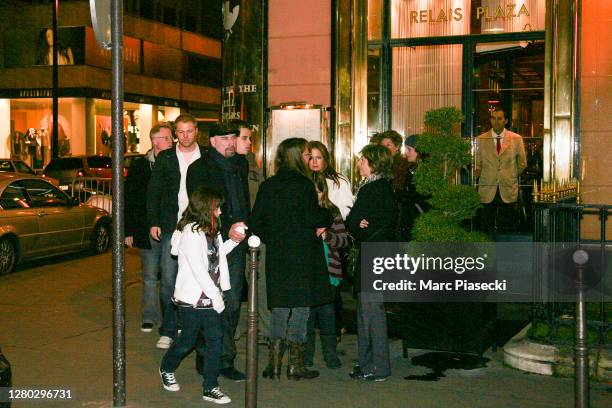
<point x="222" y="169"/>
<point x="500" y="160"/>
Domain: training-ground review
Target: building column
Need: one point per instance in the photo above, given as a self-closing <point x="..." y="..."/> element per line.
<point x="78" y="142"/>
<point x="5" y="127"/>
<point x="90" y="126"/>
<point x="146" y="121"/>
<point x="560" y="112"/>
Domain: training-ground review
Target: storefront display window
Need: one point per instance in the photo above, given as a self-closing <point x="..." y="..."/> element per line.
<point x="27" y="47"/>
<point x="32" y="129"/>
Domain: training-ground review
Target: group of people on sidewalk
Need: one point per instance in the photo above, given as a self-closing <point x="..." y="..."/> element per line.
<point x="189" y="209"/>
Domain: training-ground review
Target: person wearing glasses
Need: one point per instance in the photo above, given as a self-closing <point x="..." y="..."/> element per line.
<point x="136" y="226"/>
<point x="166" y="200"/>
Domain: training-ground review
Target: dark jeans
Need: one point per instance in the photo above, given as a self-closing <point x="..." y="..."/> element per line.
<point x="290" y="323"/>
<point x="150" y="260"/>
<point x="169" y="269"/>
<point x="204" y="322"/>
<point x="326" y="315"/>
<point x="236" y="264"/>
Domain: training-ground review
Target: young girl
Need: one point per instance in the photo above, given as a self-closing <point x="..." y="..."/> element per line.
<point x="334" y="239"/>
<point x="202" y="277"/>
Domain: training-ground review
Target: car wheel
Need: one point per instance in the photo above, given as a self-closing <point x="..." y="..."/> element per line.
<point x="8" y="256"/>
<point x="100" y="239"/>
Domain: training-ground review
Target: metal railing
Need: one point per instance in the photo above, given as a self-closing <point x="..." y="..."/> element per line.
<point x="554" y="321"/>
<point x="94" y="191"/>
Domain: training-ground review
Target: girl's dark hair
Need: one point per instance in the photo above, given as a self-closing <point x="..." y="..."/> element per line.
<point x="201" y="211"/>
<point x="379" y="159"/>
<point x="320" y="182"/>
<point x="289" y="156"/>
<point x="329" y="171"/>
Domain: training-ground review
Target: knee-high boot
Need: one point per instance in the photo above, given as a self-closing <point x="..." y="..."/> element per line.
<point x="296" y="369"/>
<point x="276" y="350"/>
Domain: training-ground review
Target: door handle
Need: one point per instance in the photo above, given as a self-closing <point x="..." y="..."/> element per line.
<point x="41" y="213"/>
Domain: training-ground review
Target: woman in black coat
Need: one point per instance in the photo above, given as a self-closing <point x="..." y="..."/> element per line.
<point x="286" y="216"/>
<point x="373" y="218"/>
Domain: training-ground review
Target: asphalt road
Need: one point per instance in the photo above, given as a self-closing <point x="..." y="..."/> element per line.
<point x="56" y="329"/>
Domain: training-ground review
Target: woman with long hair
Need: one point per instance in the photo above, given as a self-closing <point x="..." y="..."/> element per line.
<point x="202" y="277"/>
<point x="338" y="186"/>
<point x="333" y="239"/>
<point x="286" y="216"/>
<point x="44" y="52"/>
<point x="373" y="218"/>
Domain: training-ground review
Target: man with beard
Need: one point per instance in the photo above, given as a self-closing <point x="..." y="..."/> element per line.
<point x="222" y="169"/>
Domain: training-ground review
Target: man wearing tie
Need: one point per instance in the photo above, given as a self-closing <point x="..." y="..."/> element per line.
<point x="500" y="160"/>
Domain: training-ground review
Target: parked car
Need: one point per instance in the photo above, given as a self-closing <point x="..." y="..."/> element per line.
<point x="6" y="377"/>
<point x="19" y="166"/>
<point x="39" y="220"/>
<point x="66" y="169"/>
<point x="128" y="160"/>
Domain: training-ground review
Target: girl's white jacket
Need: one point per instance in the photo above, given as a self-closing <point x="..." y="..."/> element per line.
<point x="193" y="278"/>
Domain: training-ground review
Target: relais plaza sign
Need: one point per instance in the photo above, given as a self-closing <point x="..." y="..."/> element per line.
<point x="485" y="13"/>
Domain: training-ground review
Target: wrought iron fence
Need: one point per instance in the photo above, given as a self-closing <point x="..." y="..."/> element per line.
<point x="553" y="321"/>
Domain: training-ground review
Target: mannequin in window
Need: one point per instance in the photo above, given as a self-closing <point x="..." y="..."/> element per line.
<point x="45" y="50"/>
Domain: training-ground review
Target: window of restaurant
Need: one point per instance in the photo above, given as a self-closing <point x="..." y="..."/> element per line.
<point x="475" y="55"/>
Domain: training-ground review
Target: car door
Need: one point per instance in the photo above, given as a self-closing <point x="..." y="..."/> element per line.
<point x="60" y="222"/>
<point x="17" y="217"/>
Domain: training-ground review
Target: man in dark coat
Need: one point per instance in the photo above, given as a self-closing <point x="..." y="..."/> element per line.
<point x="222" y="169"/>
<point x="137" y="227"/>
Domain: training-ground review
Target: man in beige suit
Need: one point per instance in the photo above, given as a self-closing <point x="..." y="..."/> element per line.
<point x="500" y="160"/>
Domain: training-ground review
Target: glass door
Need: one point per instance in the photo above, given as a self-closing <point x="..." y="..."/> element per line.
<point x="510" y="75"/>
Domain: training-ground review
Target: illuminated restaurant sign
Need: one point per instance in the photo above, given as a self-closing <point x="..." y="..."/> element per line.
<point x="432" y="18"/>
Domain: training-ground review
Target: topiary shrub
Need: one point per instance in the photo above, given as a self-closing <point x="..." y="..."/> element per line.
<point x="443" y="153"/>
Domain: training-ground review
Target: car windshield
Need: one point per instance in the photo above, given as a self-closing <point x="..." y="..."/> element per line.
<point x="67" y="163"/>
<point x="98" y="162"/>
<point x="23" y="168"/>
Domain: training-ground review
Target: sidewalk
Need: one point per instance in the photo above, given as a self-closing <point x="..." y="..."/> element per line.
<point x="56" y="329"/>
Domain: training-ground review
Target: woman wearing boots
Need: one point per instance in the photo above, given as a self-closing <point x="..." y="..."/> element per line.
<point x="286" y="216"/>
<point x="334" y="239"/>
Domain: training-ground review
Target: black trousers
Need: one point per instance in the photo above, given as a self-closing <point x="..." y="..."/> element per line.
<point x="498" y="217"/>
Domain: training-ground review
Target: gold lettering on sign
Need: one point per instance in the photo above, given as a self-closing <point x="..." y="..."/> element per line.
<point x="430" y="16"/>
<point x="500" y="13"/>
